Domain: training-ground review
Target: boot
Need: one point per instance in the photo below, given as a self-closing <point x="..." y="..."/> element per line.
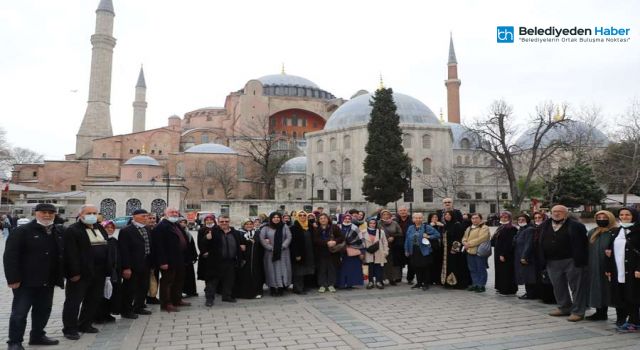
<point x="599" y="315"/>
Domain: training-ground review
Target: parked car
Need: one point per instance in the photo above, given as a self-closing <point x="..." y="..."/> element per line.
<point x="122" y="221"/>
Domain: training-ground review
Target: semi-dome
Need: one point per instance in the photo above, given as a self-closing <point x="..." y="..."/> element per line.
<point x="142" y="160"/>
<point x="297" y="165"/>
<point x="210" y="148"/>
<point x="286" y="80"/>
<point x="460" y="134"/>
<point x="357" y="111"/>
<point x="570" y="131"/>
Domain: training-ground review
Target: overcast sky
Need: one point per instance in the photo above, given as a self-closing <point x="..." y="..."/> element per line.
<point x="195" y="52"/>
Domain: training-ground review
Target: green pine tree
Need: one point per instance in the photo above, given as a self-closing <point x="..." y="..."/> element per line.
<point x="386" y="160"/>
<point x="577" y="186"/>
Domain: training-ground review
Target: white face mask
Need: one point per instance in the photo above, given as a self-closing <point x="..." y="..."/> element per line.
<point x="90" y="219"/>
<point x="173" y="219"/>
<point x="522" y="225"/>
<point x="45" y="222"/>
<point x="538" y="223"/>
<point x="209" y="225"/>
<point x="503" y="222"/>
<point x="474" y="226"/>
<point x="626" y="224"/>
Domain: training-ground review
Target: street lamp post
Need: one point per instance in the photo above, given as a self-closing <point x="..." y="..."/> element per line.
<point x="313" y="181"/>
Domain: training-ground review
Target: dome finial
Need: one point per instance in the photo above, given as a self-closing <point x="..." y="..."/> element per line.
<point x="283" y="72"/>
<point x="558" y="117"/>
<point x="381" y="86"/>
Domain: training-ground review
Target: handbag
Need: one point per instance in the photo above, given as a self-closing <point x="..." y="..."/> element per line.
<point x="484" y="249"/>
<point x="372" y="249"/>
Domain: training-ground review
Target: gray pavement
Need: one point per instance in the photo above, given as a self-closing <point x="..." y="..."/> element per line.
<point x="393" y="318"/>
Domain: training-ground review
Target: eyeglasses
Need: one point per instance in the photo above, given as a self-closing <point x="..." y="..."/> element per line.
<point x="223" y="222"/>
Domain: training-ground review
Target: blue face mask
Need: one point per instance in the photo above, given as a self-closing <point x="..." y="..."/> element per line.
<point x="626" y="224"/>
<point x="173" y="219"/>
<point x="90" y="219"/>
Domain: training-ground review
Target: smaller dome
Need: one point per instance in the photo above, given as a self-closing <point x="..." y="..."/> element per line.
<point x="210" y="148"/>
<point x="571" y="130"/>
<point x="174" y="117"/>
<point x="297" y="165"/>
<point x="460" y="133"/>
<point x="142" y="160"/>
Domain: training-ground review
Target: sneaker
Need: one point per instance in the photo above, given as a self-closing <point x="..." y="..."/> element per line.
<point x="416" y="286"/>
<point x="627" y="328"/>
<point x="332" y="289"/>
<point x="370" y="285"/>
<point x="379" y="285"/>
<point x="322" y="290"/>
<point x="209" y="303"/>
<point x="259" y="296"/>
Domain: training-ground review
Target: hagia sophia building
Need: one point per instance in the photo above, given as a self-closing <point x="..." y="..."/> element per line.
<point x="201" y="160"/>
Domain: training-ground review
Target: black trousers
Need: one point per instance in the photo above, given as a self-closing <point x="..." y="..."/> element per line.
<point x="106" y="307"/>
<point x="410" y="273"/>
<point x="225" y="279"/>
<point x="422" y="275"/>
<point x="37" y="299"/>
<point x="134" y="290"/>
<point x="89" y="292"/>
<point x="625" y="309"/>
<point x="189" y="287"/>
<point x="171" y="282"/>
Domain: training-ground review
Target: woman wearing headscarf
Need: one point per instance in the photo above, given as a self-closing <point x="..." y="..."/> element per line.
<point x="623" y="270"/>
<point x="436" y="252"/>
<point x="544" y="287"/>
<point x="189" y="287"/>
<point x="600" y="238"/>
<point x="524" y="262"/>
<point x="276" y="238"/>
<point x="455" y="271"/>
<point x="286" y="219"/>
<point x="110" y="306"/>
<point x="302" y="260"/>
<point x="418" y="248"/>
<point x="395" y="236"/>
<point x="376" y="252"/>
<point x="503" y="257"/>
<point x="475" y="235"/>
<point x="250" y="276"/>
<point x="327" y="239"/>
<point x="350" y="273"/>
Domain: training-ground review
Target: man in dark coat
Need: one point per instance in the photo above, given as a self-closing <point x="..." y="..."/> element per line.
<point x="447" y="204"/>
<point x="33" y="265"/>
<point x="404" y="220"/>
<point x="134" y="246"/>
<point x="170" y="248"/>
<point x="220" y="250"/>
<point x="87" y="268"/>
<point x="563" y="249"/>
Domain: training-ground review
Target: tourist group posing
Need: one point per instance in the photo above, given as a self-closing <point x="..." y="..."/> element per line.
<point x="107" y="274"/>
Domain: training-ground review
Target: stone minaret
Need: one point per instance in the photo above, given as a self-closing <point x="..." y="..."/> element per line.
<point x="97" y="119"/>
<point x="453" y="86"/>
<point x="140" y="104"/>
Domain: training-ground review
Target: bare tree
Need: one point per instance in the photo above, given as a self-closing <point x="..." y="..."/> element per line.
<point x="267" y="149"/>
<point x="444" y="182"/>
<point x="619" y="168"/>
<point x="9" y="156"/>
<point x="202" y="177"/>
<point x="25" y="156"/>
<point x="496" y="137"/>
<point x="225" y="175"/>
<point x="340" y="171"/>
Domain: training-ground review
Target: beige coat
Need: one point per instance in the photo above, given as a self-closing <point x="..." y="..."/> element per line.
<point x="379" y="257"/>
<point x="473" y="237"/>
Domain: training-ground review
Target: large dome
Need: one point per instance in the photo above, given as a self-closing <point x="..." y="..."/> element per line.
<point x="460" y="133"/>
<point x="297" y="165"/>
<point x="286" y="80"/>
<point x="210" y="148"/>
<point x="357" y="111"/>
<point x="142" y="160"/>
<point x="572" y="130"/>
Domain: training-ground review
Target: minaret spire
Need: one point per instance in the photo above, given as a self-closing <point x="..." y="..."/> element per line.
<point x="97" y="118"/>
<point x="140" y="104"/>
<point x="453" y="86"/>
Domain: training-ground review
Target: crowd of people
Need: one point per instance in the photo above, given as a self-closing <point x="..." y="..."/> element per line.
<point x="109" y="273"/>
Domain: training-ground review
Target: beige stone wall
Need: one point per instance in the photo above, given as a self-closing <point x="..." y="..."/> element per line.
<point x="101" y="167"/>
<point x="59" y="176"/>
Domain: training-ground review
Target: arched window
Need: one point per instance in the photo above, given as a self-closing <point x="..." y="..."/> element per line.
<point x="284" y="183"/>
<point x="320" y="146"/>
<point x="426" y="141"/>
<point x="465" y="144"/>
<point x="406" y="140"/>
<point x="180" y="169"/>
<point x="333" y="165"/>
<point x="475" y="160"/>
<point x="346" y="166"/>
<point x="240" y="171"/>
<point x="461" y="178"/>
<point x="204" y="138"/>
<point x="108" y="208"/>
<point x="294" y="135"/>
<point x="459" y="160"/>
<point x="158" y="206"/>
<point x="210" y="168"/>
<point x="478" y="177"/>
<point x="332" y="144"/>
<point x="426" y="166"/>
<point x="467" y="160"/>
<point x="320" y="169"/>
<point x="132" y="205"/>
<point x="346" y="140"/>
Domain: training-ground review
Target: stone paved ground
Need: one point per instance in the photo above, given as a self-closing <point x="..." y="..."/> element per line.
<point x="393" y="318"/>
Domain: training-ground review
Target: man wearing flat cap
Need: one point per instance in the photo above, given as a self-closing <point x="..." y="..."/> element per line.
<point x="134" y="246"/>
<point x="33" y="265"/>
